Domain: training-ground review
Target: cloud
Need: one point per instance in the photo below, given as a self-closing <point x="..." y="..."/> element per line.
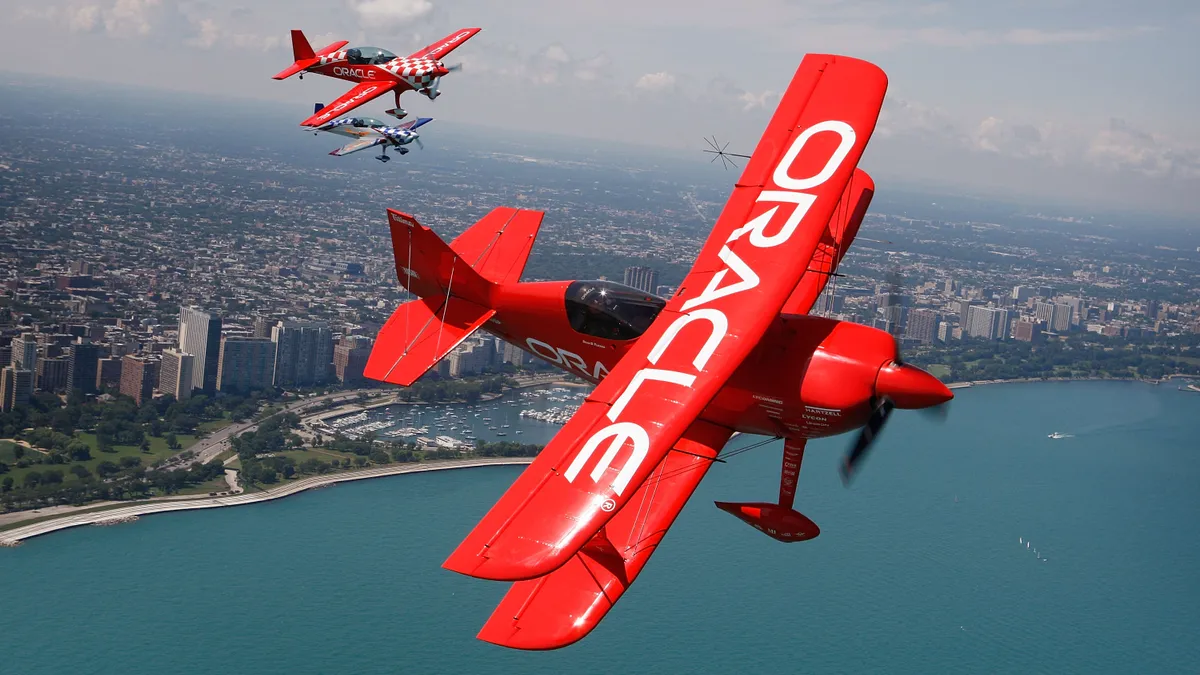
<point x="660" y="81"/>
<point x="387" y="15"/>
<point x="123" y="18"/>
<point x="1123" y="147"/>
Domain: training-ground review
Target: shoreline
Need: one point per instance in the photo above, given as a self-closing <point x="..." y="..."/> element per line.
<point x="1025" y="380"/>
<point x="106" y="516"/>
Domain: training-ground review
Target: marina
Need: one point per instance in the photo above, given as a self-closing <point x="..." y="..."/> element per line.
<point x="523" y="416"/>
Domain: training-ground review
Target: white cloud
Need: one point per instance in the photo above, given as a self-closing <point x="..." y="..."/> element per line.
<point x="83" y="19"/>
<point x="556" y="54"/>
<point x="1124" y="147"/>
<point x="387" y="15"/>
<point x="659" y="81"/>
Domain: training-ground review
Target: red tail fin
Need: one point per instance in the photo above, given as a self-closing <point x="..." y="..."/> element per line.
<point x="455" y="284"/>
<point x="302" y="54"/>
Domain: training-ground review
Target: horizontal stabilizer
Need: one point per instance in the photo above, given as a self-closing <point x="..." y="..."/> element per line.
<point x="418" y="334"/>
<point x="294" y="68"/>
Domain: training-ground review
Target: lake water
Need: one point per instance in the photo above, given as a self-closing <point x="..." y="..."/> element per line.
<point x="921" y="566"/>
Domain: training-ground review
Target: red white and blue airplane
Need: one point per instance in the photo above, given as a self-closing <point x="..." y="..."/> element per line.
<point x="368" y="133"/>
<point x="377" y="71"/>
<point x="733" y="350"/>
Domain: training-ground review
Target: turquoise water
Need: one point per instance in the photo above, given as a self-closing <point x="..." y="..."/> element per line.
<point x="903" y="579"/>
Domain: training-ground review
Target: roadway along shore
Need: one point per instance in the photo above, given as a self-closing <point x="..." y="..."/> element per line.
<point x="15" y="536"/>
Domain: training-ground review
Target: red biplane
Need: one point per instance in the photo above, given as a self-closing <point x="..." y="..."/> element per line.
<point x="734" y="350"/>
<point x="377" y="71"/>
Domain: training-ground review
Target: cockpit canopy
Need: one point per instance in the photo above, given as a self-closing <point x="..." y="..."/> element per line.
<point x="362" y="56"/>
<point x="609" y="310"/>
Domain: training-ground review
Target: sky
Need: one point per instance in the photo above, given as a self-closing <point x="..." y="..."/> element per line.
<point x="1093" y="103"/>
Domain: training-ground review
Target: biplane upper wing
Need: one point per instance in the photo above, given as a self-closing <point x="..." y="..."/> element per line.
<point x="442" y="47"/>
<point x="838" y="236"/>
<point x="758" y="250"/>
<point x="360" y="94"/>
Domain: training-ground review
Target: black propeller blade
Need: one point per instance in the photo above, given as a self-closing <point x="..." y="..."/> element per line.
<point x="866" y="437"/>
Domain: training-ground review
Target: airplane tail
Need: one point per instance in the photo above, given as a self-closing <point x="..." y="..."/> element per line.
<point x="304" y="56"/>
<point x="455" y="284"/>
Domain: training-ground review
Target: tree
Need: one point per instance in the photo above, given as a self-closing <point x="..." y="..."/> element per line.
<point x="33" y="478"/>
<point x="107" y="468"/>
<point x="172" y="440"/>
<point x="79" y="451"/>
<point x="145" y="445"/>
<point x="6" y="484"/>
<point x="18" y="451"/>
<point x="80" y="471"/>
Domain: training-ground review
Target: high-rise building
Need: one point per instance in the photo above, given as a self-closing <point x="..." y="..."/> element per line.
<point x="262" y="327"/>
<point x="16" y="387"/>
<point x="828" y="303"/>
<point x="175" y="374"/>
<point x="350" y="359"/>
<point x="303" y="353"/>
<point x="200" y="336"/>
<point x="138" y="376"/>
<point x="24" y="352"/>
<point x="1022" y="293"/>
<point x="1027" y="331"/>
<point x="51" y="374"/>
<point x="1062" y="319"/>
<point x="81" y="367"/>
<point x="514" y="355"/>
<point x="641" y="278"/>
<point x="964" y="309"/>
<point x="944" y="331"/>
<point x="108" y="373"/>
<point x="989" y="323"/>
<point x="922" y="325"/>
<point x="245" y="363"/>
<point x="1043" y="312"/>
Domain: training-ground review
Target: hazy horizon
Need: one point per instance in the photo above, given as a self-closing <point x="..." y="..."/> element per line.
<point x="1068" y="101"/>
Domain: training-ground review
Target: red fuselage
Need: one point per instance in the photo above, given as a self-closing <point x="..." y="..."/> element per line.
<point x="808" y="377"/>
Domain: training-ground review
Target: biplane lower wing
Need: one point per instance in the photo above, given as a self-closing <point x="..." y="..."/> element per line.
<point x="360" y="94"/>
<point x="758" y="250"/>
<point x="564" y="606"/>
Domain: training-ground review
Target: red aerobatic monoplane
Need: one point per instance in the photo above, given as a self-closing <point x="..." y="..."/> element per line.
<point x="734" y="350"/>
<point x="377" y="71"/>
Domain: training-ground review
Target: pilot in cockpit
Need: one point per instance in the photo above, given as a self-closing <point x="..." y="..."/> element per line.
<point x="354" y="57"/>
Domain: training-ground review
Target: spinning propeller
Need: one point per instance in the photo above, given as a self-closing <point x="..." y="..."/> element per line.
<point x="719" y="151"/>
<point x="898" y="385"/>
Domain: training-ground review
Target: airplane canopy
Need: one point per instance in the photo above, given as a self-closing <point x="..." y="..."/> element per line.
<point x="610" y="310"/>
<point x="361" y="56"/>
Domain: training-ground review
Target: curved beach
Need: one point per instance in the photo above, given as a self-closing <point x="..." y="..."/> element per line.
<point x="16" y="535"/>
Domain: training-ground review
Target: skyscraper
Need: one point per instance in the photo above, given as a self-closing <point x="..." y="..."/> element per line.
<point x="1061" y="320"/>
<point x="641" y="278"/>
<point x="175" y="374"/>
<point x="303" y="353"/>
<point x="350" y="359"/>
<point x="138" y="376"/>
<point x="987" y="322"/>
<point x="24" y="351"/>
<point x="16" y="387"/>
<point x="200" y="336"/>
<point x="922" y="325"/>
<point x="81" y="367"/>
<point x="245" y="363"/>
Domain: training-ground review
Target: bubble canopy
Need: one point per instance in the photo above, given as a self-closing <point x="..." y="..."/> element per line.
<point x="606" y="309"/>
